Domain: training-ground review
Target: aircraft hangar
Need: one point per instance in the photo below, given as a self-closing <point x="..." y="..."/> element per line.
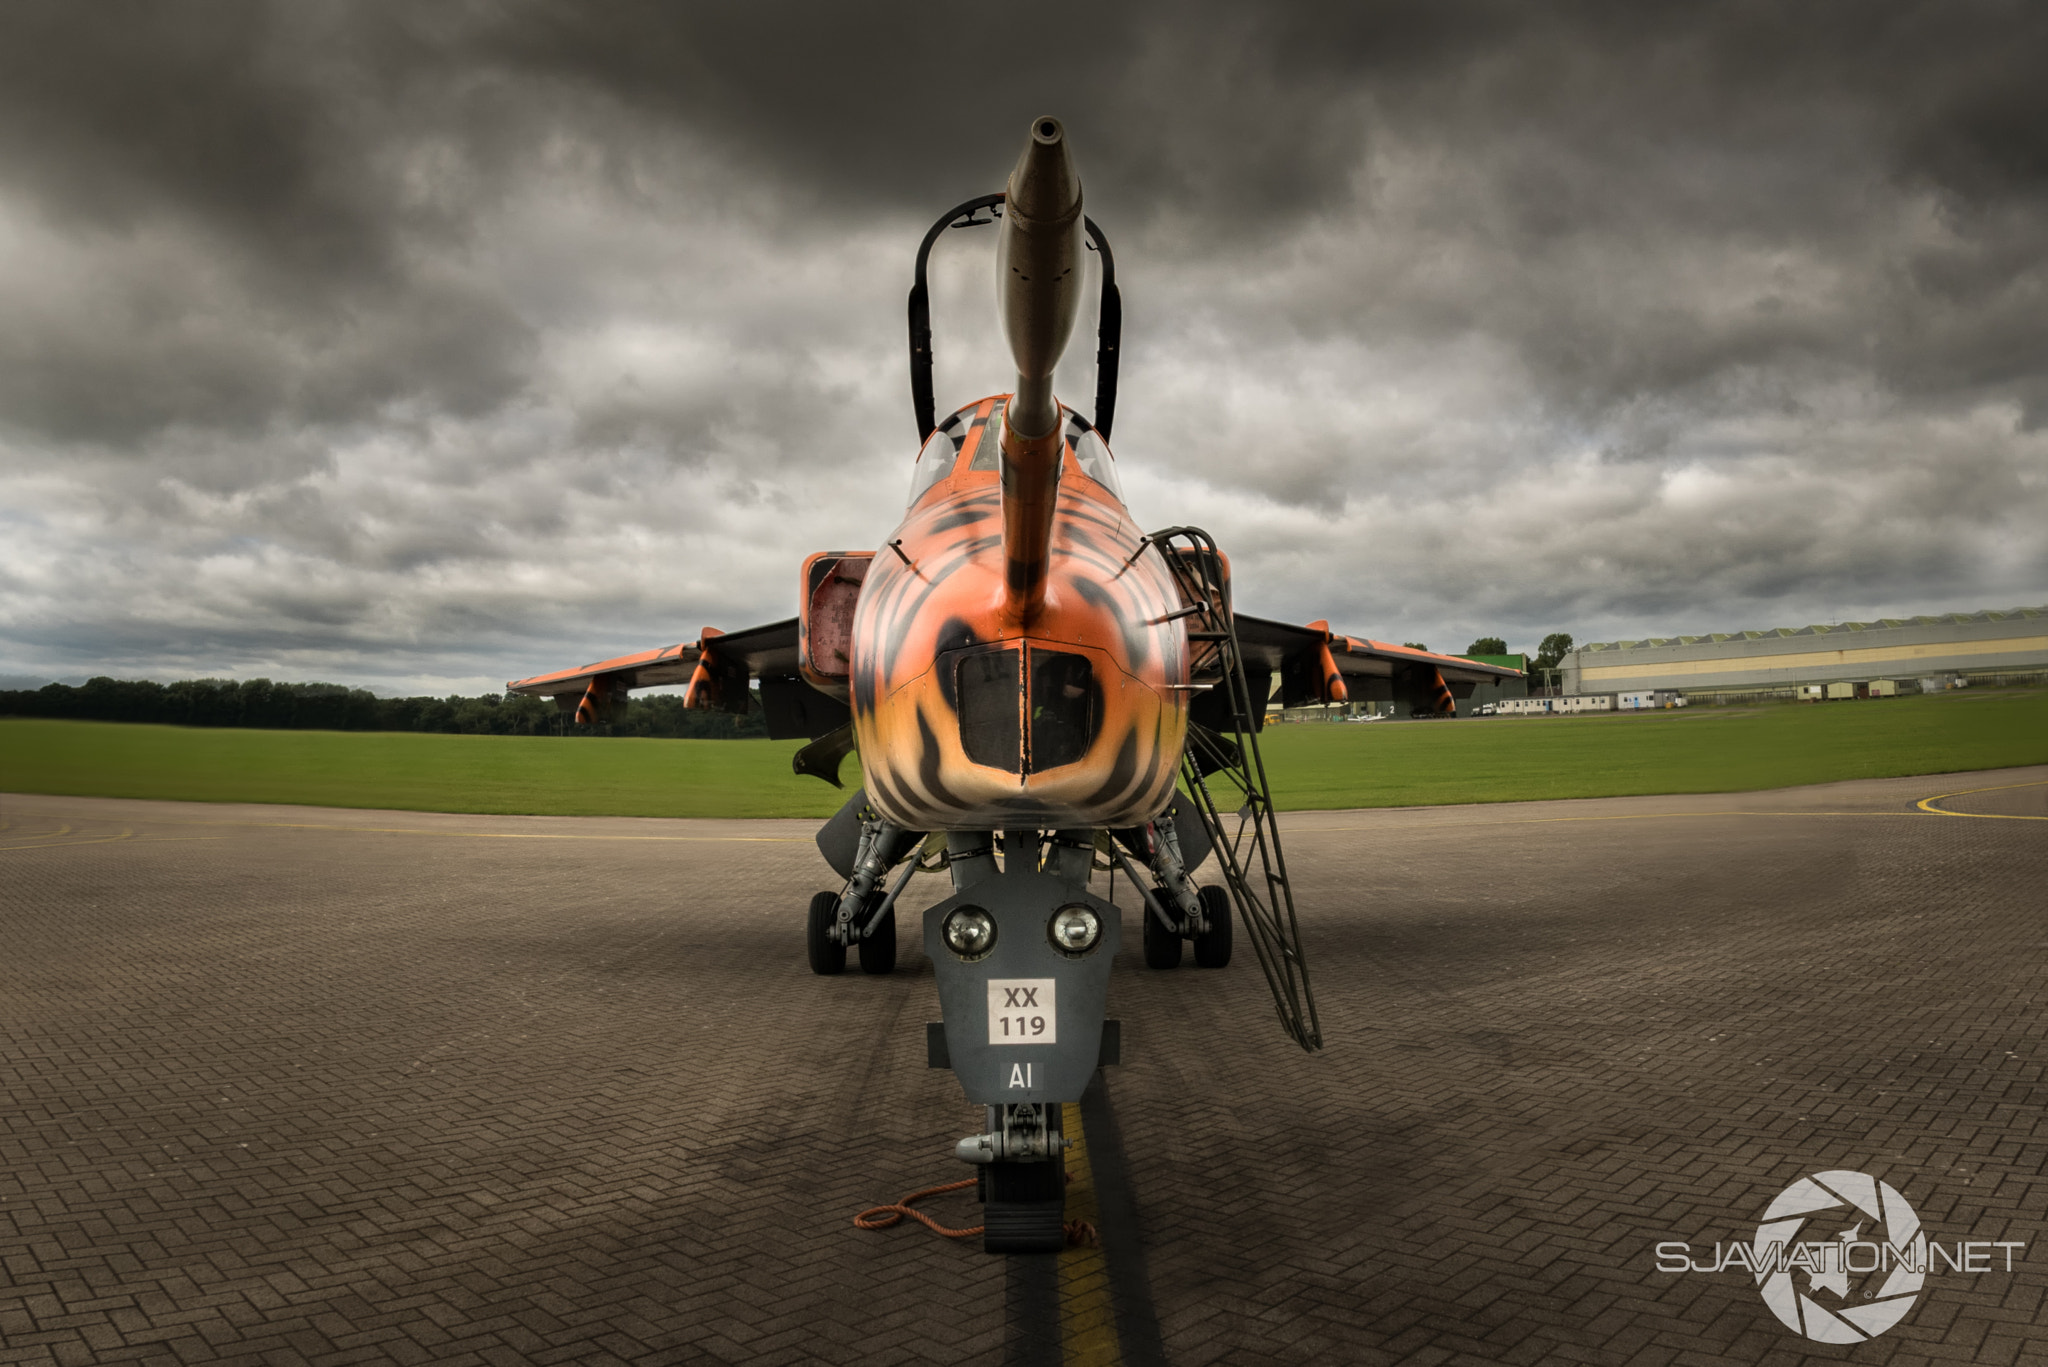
<point x="1955" y="646"/>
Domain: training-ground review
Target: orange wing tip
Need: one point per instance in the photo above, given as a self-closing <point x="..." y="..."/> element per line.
<point x="580" y="675"/>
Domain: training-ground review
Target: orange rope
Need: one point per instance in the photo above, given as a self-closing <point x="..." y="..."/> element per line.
<point x="1080" y="1234"/>
<point x="882" y="1217"/>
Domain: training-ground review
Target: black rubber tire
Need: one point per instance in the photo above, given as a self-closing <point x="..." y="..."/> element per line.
<point x="878" y="950"/>
<point x="1212" y="947"/>
<point x="828" y="956"/>
<point x="1024" y="1209"/>
<point x="1162" y="946"/>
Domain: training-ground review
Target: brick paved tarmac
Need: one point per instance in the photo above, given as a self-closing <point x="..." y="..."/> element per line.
<point x="285" y="1084"/>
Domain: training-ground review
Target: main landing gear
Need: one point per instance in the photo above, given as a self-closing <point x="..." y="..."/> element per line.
<point x="876" y="946"/>
<point x="1176" y="910"/>
<point x="863" y="914"/>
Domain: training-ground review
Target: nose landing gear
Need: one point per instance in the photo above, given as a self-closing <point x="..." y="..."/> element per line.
<point x="1023" y="1185"/>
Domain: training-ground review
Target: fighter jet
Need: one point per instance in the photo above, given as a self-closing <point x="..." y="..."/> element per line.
<point x="1038" y="692"/>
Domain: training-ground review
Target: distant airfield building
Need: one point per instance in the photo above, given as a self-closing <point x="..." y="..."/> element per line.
<point x="1496" y="691"/>
<point x="1931" y="651"/>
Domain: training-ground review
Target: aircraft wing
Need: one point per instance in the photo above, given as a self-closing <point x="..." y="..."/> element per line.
<point x="1368" y="670"/>
<point x="764" y="650"/>
<point x="717" y="666"/>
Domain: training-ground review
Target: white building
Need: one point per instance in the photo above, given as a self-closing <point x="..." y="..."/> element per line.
<point x="1556" y="707"/>
<point x="1645" y="700"/>
<point x="1983" y="645"/>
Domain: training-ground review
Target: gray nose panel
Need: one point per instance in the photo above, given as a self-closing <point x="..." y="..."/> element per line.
<point x="1025" y="1023"/>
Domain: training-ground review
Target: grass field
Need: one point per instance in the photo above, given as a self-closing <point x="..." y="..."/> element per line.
<point x="540" y="775"/>
<point x="1311" y="766"/>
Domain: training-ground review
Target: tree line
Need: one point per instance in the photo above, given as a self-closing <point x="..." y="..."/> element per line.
<point x="1550" y="655"/>
<point x="334" y="707"/>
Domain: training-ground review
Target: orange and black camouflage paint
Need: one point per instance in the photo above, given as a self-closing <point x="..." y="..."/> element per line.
<point x="704" y="691"/>
<point x="1440" y="693"/>
<point x="604" y="699"/>
<point x="937" y="628"/>
<point x="1333" y="686"/>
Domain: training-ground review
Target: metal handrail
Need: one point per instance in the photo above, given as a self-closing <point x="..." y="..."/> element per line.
<point x="1108" y="331"/>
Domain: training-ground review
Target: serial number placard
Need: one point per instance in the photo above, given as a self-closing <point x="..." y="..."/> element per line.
<point x="1020" y="1011"/>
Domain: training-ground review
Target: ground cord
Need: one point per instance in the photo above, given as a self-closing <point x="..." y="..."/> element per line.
<point x="882" y="1217"/>
<point x="1079" y="1233"/>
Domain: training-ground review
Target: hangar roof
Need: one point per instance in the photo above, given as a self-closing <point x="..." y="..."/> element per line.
<point x="1882" y="624"/>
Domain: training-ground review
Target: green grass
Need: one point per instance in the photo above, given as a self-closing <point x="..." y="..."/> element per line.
<point x="431" y="773"/>
<point x="1694" y="750"/>
<point x="1312" y="766"/>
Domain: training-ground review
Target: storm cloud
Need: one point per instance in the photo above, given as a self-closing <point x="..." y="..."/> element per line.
<point x="427" y="346"/>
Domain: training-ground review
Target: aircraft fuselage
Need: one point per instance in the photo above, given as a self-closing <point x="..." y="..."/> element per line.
<point x="972" y="714"/>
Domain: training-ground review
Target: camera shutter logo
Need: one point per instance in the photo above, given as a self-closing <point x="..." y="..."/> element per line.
<point x="1872" y="1279"/>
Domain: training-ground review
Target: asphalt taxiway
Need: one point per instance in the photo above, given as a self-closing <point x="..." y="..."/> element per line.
<point x="291" y="1085"/>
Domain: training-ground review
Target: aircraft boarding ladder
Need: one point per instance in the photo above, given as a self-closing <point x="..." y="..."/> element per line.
<point x="1224" y="761"/>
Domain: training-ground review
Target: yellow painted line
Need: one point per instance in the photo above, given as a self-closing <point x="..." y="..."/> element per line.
<point x="1922" y="805"/>
<point x="54" y="843"/>
<point x="1926" y="804"/>
<point x="494" y="835"/>
<point x="1087" y="1319"/>
<point x="1551" y="820"/>
<point x="124" y="839"/>
<point x="522" y="835"/>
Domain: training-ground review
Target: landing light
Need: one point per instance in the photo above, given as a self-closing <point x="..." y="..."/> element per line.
<point x="1075" y="929"/>
<point x="970" y="932"/>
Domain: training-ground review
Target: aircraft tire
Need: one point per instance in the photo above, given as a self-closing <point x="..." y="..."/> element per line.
<point x="1162" y="946"/>
<point x="878" y="950"/>
<point x="1024" y="1206"/>
<point x="827" y="955"/>
<point x="1212" y="947"/>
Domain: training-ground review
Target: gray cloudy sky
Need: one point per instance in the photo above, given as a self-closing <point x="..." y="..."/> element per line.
<point x="423" y="346"/>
